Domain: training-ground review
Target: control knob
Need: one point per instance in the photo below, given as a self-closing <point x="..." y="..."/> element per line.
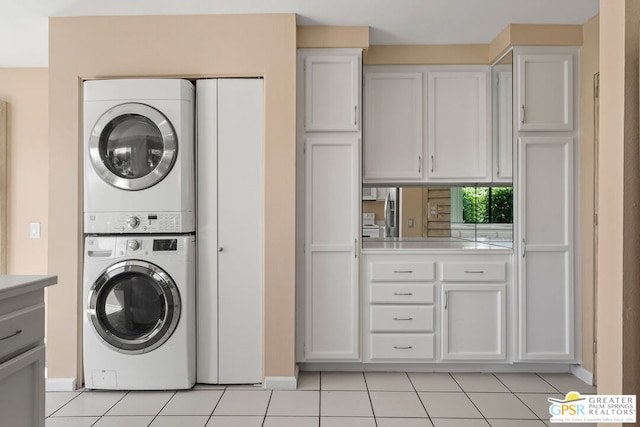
<point x="134" y="245"/>
<point x="133" y="221"/>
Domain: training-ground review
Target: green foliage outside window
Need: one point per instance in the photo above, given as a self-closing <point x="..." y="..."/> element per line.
<point x="485" y="205"/>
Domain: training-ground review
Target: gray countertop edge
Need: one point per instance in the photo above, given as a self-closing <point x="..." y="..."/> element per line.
<point x="12" y="285"/>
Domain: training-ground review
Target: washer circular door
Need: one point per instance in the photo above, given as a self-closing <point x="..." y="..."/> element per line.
<point x="132" y="146"/>
<point x="134" y="306"/>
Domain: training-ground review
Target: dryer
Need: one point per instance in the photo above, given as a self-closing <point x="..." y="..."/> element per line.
<point x="139" y="318"/>
<point x="139" y="174"/>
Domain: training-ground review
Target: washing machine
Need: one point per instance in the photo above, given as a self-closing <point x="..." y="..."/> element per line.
<point x="139" y="174"/>
<point x="139" y="324"/>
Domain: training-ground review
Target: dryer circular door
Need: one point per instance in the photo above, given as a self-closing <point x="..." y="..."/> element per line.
<point x="134" y="306"/>
<point x="132" y="146"/>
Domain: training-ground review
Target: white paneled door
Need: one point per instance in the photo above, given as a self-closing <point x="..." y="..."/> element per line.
<point x="546" y="289"/>
<point x="331" y="248"/>
<point x="230" y="230"/>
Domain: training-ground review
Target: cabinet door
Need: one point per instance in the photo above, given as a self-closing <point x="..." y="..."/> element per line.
<point x="457" y="126"/>
<point x="473" y="322"/>
<point x="546" y="296"/>
<point x="331" y="249"/>
<point x="393" y="140"/>
<point x="22" y="389"/>
<point x="332" y="92"/>
<point x="503" y="125"/>
<point x="545" y="92"/>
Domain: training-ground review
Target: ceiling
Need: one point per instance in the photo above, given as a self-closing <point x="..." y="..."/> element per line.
<point x="24" y="23"/>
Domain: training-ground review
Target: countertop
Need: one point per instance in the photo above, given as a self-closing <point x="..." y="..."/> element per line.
<point x="12" y="285"/>
<point x="437" y="244"/>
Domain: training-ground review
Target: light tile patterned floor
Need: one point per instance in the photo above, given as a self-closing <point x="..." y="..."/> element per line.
<point x="329" y="399"/>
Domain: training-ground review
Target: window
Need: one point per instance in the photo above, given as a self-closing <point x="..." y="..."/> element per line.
<point x="482" y="205"/>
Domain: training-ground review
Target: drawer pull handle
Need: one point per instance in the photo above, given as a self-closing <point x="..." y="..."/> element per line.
<point x="403" y="318"/>
<point x="403" y="271"/>
<point x="474" y="271"/>
<point x="403" y="293"/>
<point x="18" y="332"/>
<point x="403" y="347"/>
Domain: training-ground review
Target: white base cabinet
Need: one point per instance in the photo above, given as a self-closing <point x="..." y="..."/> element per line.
<point x="436" y="307"/>
<point x="474" y="322"/>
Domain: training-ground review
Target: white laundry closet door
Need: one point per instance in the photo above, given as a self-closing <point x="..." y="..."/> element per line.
<point x="230" y="230"/>
<point x="240" y="230"/>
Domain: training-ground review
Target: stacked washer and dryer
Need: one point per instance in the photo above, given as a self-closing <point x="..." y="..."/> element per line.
<point x="139" y="322"/>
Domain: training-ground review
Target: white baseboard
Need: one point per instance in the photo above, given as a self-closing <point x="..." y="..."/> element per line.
<point x="282" y="383"/>
<point x="580" y="372"/>
<point x="60" y="384"/>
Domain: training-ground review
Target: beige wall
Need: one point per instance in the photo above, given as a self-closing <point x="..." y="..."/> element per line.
<point x="588" y="67"/>
<point x="327" y="36"/>
<point x="25" y="90"/>
<point x="618" y="293"/>
<point x="191" y="46"/>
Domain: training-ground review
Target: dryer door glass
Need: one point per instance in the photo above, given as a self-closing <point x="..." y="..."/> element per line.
<point x="132" y="146"/>
<point x="134" y="306"/>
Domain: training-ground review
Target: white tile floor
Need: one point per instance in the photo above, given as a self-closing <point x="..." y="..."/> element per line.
<point x="329" y="399"/>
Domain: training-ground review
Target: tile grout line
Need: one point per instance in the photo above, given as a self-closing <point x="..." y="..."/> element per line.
<point x="264" y="418"/>
<point x="319" y="397"/>
<point x="65" y="404"/>
<point x="471" y="400"/>
<point x="224" y="390"/>
<point x="373" y="412"/>
<point x="418" y="395"/>
<point x="552" y="386"/>
<point x="518" y="397"/>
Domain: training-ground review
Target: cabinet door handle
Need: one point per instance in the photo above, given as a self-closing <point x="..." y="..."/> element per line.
<point x="18" y="332"/>
<point x="432" y="162"/>
<point x="522" y="116"/>
<point x="403" y="318"/>
<point x="403" y="271"/>
<point x="403" y="347"/>
<point x="403" y="293"/>
<point x="355" y="114"/>
<point x="355" y="249"/>
<point x="446" y="299"/>
<point x="474" y="271"/>
<point x="524" y="247"/>
<point x="419" y="164"/>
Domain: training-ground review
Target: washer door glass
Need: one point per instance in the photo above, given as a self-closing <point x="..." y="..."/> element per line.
<point x="132" y="146"/>
<point x="134" y="306"/>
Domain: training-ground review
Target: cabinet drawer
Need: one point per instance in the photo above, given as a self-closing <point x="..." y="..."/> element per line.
<point x="402" y="272"/>
<point x="474" y="272"/>
<point x="401" y="319"/>
<point x="402" y="294"/>
<point x="21" y="329"/>
<point x="402" y="347"/>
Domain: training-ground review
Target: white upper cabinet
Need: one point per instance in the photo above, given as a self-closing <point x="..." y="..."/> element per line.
<point x="332" y="92"/>
<point x="502" y="123"/>
<point x="457" y="126"/>
<point x="393" y="122"/>
<point x="545" y="92"/>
